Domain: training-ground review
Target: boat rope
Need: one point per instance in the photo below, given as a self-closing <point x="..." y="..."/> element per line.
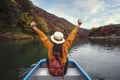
<point x="63" y="75"/>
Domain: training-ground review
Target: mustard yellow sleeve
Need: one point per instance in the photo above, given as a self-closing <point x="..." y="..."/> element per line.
<point x="43" y="37"/>
<point x="71" y="37"/>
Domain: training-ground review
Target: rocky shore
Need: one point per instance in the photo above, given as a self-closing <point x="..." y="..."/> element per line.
<point x="104" y="37"/>
<point x="15" y="36"/>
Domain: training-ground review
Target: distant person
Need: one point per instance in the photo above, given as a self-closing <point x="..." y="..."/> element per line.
<point x="57" y="43"/>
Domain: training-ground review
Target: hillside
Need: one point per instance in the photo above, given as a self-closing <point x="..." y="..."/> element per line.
<point x="107" y="30"/>
<point x="16" y="16"/>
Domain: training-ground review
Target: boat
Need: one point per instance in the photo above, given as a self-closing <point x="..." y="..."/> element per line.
<point x="40" y="72"/>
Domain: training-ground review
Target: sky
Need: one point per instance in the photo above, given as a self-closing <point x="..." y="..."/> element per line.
<point x="94" y="13"/>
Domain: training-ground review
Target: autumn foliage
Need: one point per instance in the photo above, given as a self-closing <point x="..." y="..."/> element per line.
<point x="107" y="30"/>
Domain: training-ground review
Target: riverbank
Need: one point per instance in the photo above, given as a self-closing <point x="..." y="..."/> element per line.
<point x="15" y="36"/>
<point x="104" y="37"/>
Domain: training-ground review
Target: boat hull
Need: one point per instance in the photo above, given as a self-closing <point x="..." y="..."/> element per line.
<point x="40" y="72"/>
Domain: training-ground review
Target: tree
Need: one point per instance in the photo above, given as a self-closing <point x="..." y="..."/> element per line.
<point x="93" y="31"/>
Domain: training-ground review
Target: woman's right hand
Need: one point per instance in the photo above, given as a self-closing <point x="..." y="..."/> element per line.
<point x="79" y="22"/>
<point x="33" y="24"/>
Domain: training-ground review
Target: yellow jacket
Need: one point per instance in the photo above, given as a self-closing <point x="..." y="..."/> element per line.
<point x="49" y="45"/>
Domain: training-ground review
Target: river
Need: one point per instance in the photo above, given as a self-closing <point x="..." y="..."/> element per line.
<point x="100" y="59"/>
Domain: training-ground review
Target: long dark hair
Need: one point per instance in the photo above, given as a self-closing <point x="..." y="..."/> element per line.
<point x="57" y="48"/>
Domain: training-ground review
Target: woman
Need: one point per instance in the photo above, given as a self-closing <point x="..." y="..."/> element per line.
<point x="57" y="42"/>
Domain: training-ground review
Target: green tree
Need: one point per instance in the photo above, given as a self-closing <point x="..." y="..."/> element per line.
<point x="43" y="24"/>
<point x="25" y="4"/>
<point x="93" y="31"/>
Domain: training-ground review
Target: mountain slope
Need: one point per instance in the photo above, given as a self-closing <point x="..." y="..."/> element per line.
<point x="16" y="16"/>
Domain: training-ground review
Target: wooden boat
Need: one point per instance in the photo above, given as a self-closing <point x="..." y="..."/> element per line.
<point x="40" y="72"/>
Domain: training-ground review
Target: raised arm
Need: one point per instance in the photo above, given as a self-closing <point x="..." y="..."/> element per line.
<point x="42" y="36"/>
<point x="73" y="34"/>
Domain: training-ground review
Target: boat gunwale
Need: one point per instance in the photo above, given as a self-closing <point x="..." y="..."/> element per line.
<point x="34" y="68"/>
<point x="81" y="70"/>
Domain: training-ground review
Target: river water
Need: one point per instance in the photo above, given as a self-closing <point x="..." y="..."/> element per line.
<point x="100" y="59"/>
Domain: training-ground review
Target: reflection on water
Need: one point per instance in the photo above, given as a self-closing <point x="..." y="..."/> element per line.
<point x="106" y="42"/>
<point x="99" y="58"/>
<point x="111" y="45"/>
<point x="17" y="56"/>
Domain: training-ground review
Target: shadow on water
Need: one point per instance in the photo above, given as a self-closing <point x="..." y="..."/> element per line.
<point x="18" y="57"/>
